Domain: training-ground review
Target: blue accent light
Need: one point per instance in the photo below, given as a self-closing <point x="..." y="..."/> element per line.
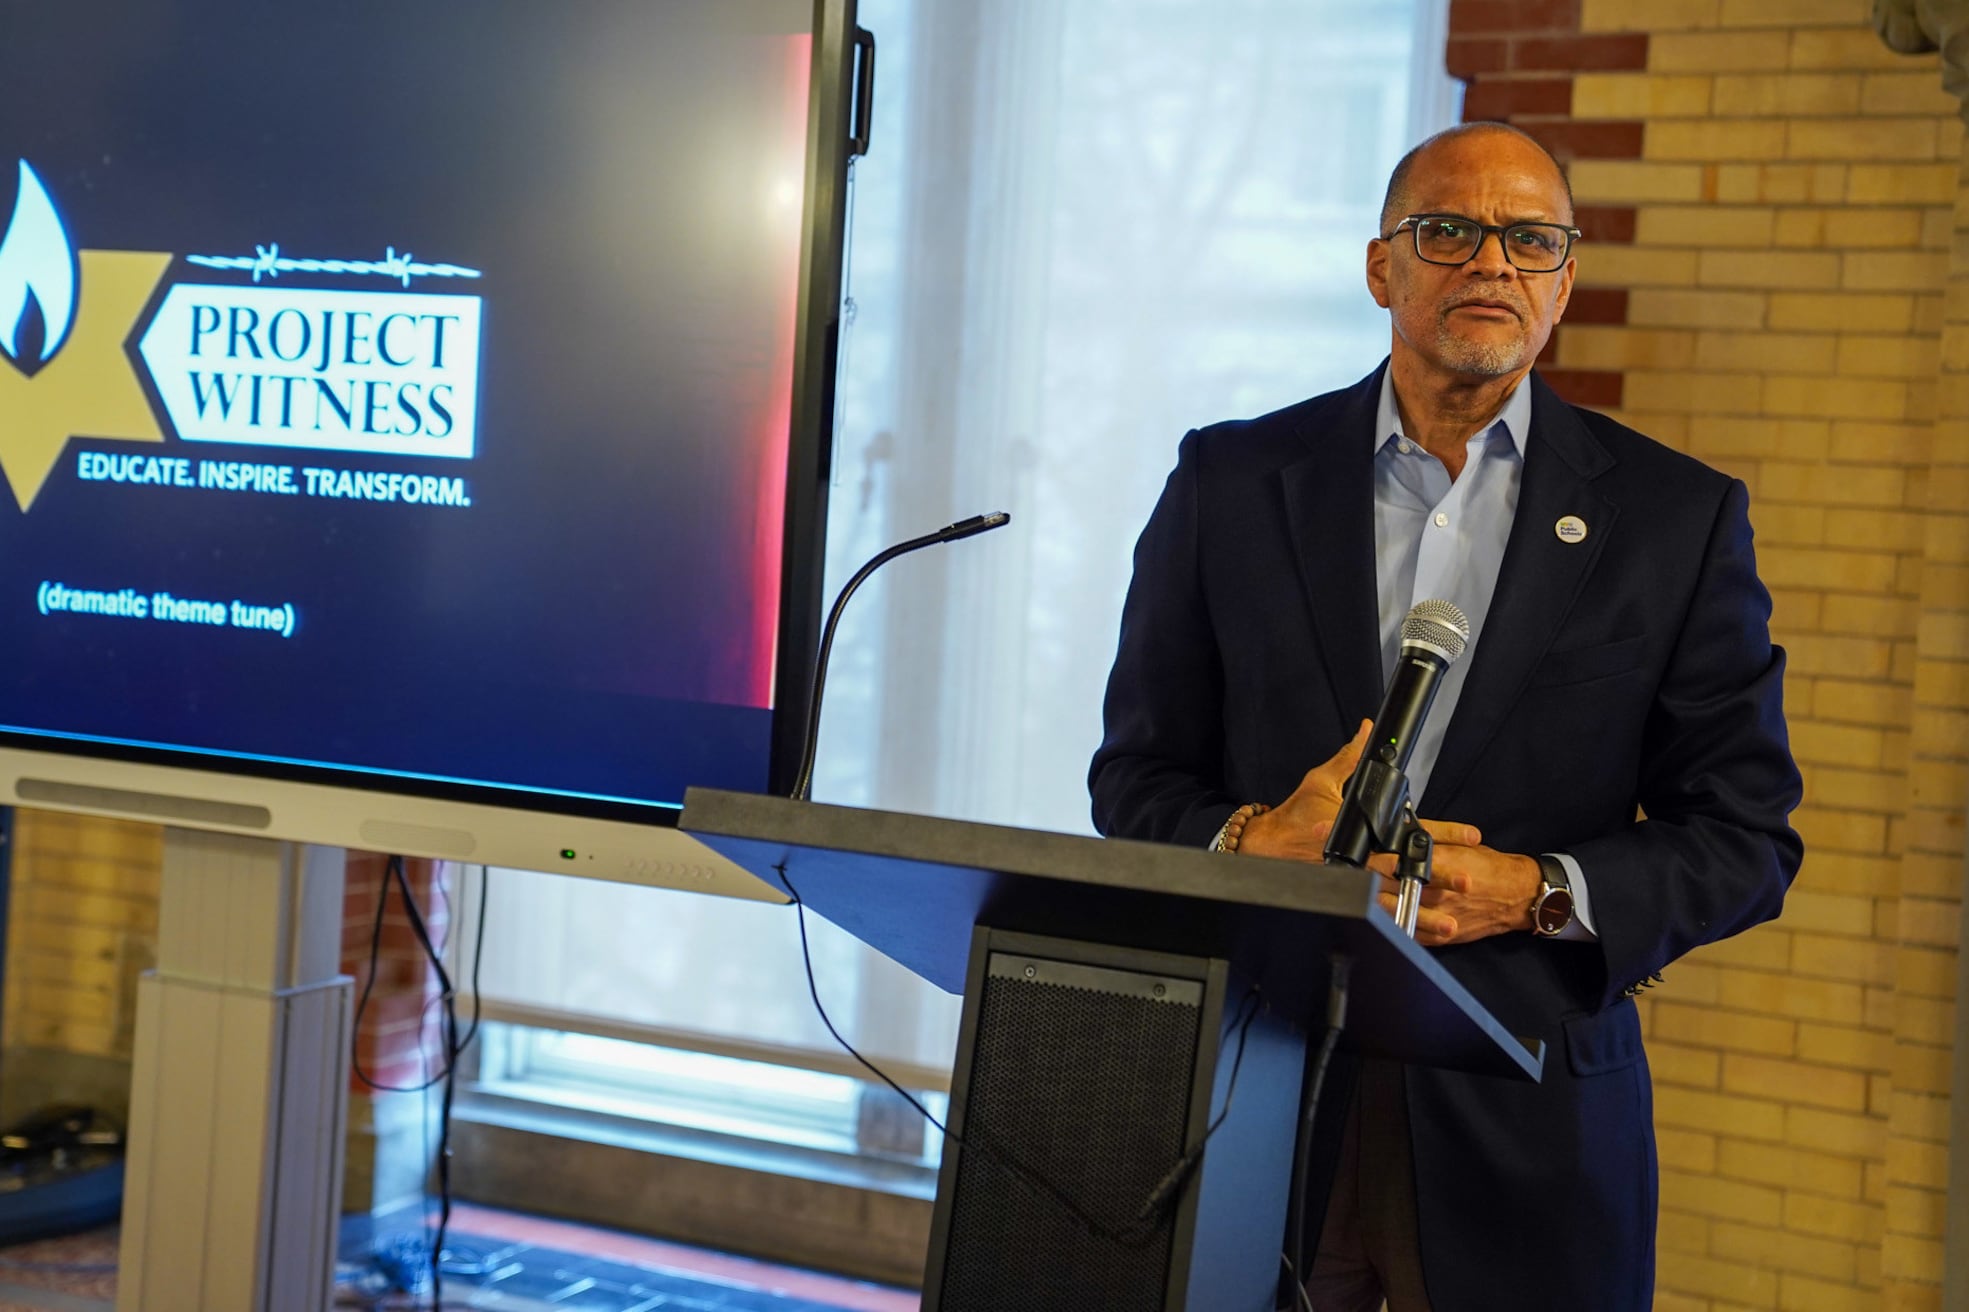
<point x="357" y="770"/>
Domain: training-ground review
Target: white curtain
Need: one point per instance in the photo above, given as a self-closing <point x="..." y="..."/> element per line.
<point x="1085" y="226"/>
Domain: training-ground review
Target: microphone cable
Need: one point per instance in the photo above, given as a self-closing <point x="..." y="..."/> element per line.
<point x="453" y="1046"/>
<point x="1341" y="970"/>
<point x="1149" y="1217"/>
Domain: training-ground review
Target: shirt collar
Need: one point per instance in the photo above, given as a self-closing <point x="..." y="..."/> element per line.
<point x="1515" y="417"/>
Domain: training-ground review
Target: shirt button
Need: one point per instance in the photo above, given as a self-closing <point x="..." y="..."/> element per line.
<point x="1406" y="449"/>
<point x="1442" y="520"/>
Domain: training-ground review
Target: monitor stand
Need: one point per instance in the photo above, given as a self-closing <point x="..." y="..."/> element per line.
<point x="239" y="1083"/>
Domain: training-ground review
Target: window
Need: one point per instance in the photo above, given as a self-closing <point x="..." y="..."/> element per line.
<point x="712" y="1096"/>
<point x="1085" y="227"/>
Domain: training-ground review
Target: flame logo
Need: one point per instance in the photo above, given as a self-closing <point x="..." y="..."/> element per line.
<point x="37" y="272"/>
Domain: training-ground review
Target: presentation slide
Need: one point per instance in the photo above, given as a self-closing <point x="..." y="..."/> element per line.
<point x="401" y="385"/>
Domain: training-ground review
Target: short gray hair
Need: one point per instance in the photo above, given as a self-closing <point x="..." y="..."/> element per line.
<point x="1394" y="205"/>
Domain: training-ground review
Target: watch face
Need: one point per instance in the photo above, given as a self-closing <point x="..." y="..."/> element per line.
<point x="1553" y="910"/>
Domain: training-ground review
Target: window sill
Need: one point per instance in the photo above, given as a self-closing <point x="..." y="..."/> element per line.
<point x="538" y="1109"/>
<point x="804" y="1206"/>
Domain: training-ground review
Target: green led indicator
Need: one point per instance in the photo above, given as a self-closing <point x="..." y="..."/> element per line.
<point x="567" y="854"/>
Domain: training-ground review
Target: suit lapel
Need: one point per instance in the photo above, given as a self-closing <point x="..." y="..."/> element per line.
<point x="1329" y="511"/>
<point x="1536" y="585"/>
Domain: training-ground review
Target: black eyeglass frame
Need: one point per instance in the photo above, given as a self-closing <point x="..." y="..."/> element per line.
<point x="1413" y="223"/>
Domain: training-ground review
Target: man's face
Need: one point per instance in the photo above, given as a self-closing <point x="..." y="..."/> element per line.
<point x="1486" y="318"/>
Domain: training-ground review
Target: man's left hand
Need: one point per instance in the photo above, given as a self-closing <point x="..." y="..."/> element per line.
<point x="1473" y="892"/>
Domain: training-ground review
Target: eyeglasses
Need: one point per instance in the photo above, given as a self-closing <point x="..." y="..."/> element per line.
<point x="1453" y="239"/>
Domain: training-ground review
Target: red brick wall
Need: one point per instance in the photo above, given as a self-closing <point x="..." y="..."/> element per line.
<point x="399" y="1036"/>
<point x="1517" y="59"/>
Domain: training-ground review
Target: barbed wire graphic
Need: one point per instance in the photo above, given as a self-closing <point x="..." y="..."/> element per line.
<point x="267" y="261"/>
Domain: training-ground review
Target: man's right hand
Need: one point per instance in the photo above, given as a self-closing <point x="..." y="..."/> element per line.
<point x="1296" y="828"/>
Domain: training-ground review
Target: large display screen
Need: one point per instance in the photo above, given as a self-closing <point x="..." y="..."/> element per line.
<point x="400" y="390"/>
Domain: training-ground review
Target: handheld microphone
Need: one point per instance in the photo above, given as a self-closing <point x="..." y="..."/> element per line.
<point x="963" y="528"/>
<point x="1433" y="636"/>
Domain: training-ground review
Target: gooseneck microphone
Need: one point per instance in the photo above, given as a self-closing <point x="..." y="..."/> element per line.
<point x="963" y="528"/>
<point x="1371" y="812"/>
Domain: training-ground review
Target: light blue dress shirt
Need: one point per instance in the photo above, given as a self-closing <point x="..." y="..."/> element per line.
<point x="1434" y="538"/>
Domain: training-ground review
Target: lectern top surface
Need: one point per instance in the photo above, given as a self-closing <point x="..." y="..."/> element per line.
<point x="912" y="887"/>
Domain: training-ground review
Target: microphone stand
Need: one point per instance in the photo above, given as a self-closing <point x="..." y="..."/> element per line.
<point x="1412" y="870"/>
<point x="1376" y="815"/>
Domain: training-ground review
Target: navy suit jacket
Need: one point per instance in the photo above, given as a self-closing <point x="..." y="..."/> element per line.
<point x="1624" y="705"/>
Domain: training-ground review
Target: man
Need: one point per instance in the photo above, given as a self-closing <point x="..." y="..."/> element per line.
<point x="1620" y="659"/>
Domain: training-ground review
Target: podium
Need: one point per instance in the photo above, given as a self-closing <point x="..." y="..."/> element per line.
<point x="1126" y="1091"/>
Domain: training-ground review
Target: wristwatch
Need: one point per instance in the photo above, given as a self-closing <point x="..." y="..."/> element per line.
<point x="1551" y="909"/>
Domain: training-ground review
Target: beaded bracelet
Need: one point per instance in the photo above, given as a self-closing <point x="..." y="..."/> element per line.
<point x="1233" y="830"/>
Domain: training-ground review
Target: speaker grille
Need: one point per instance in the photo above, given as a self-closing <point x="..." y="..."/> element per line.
<point x="1088" y="1088"/>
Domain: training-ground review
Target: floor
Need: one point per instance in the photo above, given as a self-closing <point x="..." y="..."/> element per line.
<point x="500" y="1262"/>
<point x="76" y="1273"/>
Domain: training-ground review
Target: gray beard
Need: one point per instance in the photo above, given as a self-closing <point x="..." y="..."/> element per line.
<point x="1488" y="359"/>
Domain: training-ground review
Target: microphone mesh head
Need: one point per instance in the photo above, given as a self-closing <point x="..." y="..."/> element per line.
<point x="1438" y="626"/>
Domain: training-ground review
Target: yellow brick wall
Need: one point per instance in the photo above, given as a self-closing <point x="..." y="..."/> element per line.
<point x="1788" y="322"/>
<point x="82" y="925"/>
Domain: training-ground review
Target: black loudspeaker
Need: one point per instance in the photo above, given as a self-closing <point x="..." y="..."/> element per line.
<point x="1085" y="1077"/>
